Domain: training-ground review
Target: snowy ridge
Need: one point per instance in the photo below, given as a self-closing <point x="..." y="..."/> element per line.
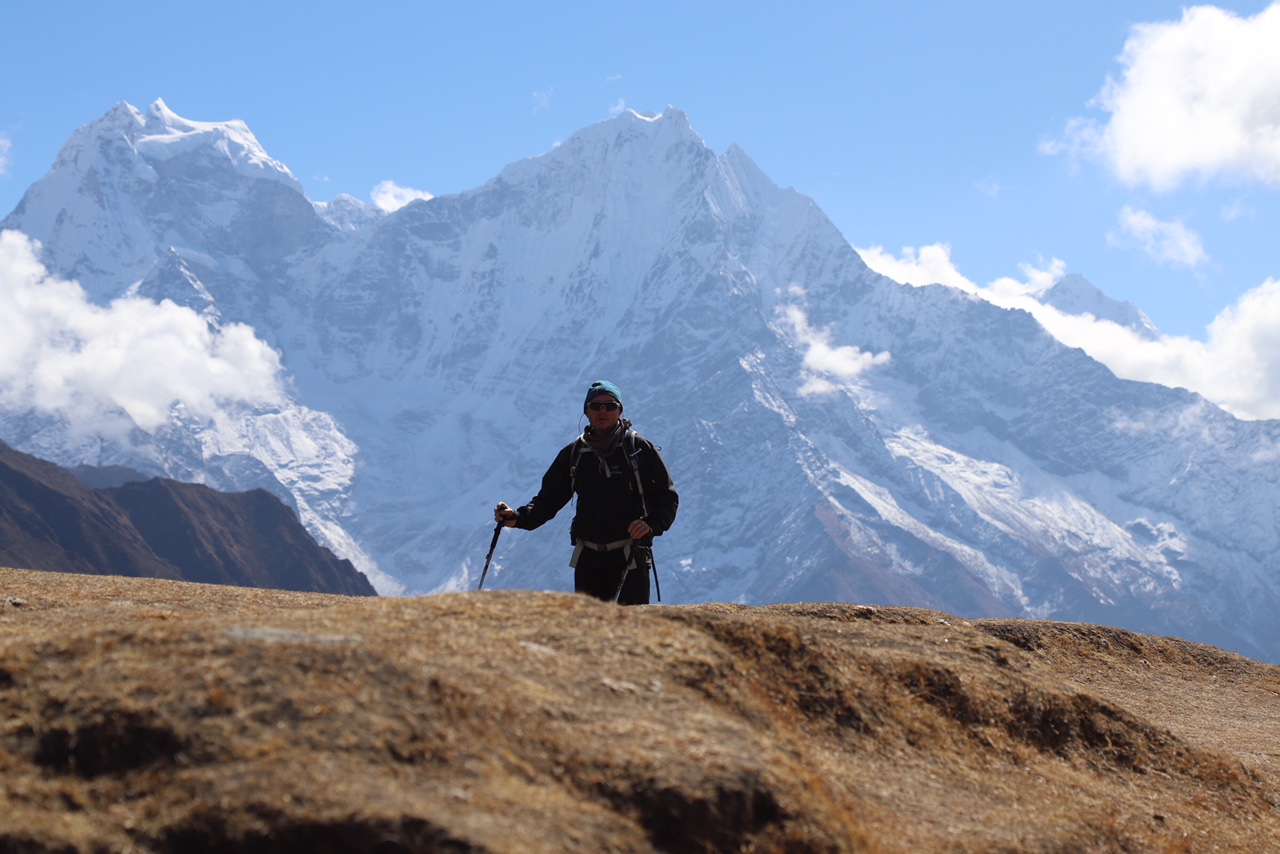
<point x="1074" y="294"/>
<point x="834" y="435"/>
<point x="348" y="213"/>
<point x="163" y="136"/>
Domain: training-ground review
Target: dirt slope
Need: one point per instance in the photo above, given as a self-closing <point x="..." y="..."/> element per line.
<point x="140" y="714"/>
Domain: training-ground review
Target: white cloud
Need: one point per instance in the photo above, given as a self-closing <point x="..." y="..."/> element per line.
<point x="1010" y="292"/>
<point x="61" y="354"/>
<point x="1199" y="96"/>
<point x="6" y="160"/>
<point x="988" y="187"/>
<point x="391" y="197"/>
<point x="930" y="265"/>
<point x="1166" y="242"/>
<point x="1236" y="367"/>
<point x="619" y="108"/>
<point x="542" y="100"/>
<point x="824" y="363"/>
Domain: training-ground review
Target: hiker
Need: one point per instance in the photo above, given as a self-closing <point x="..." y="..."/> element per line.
<point x="625" y="499"/>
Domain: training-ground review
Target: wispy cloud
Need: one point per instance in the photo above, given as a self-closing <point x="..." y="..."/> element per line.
<point x="390" y="196"/>
<point x="6" y="152"/>
<point x="825" y="364"/>
<point x="129" y="363"/>
<point x="1194" y="97"/>
<point x="988" y="187"/>
<point x="932" y="265"/>
<point x="542" y="99"/>
<point x="618" y="108"/>
<point x="928" y="265"/>
<point x="1235" y="210"/>
<point x="1237" y="366"/>
<point x="1167" y="242"/>
<point x="613" y="78"/>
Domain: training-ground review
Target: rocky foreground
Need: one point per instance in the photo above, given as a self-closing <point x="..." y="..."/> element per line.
<point x="149" y="715"/>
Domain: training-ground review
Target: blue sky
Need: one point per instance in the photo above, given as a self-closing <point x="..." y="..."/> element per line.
<point x="1136" y="143"/>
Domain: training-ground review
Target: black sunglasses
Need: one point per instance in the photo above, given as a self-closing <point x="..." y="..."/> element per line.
<point x="606" y="405"/>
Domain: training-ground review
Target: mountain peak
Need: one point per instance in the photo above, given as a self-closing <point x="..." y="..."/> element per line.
<point x="1074" y="294"/>
<point x="160" y="111"/>
<point x="672" y="123"/>
<point x="166" y="135"/>
<point x="669" y="127"/>
<point x="637" y="155"/>
<point x="671" y="114"/>
<point x="122" y="116"/>
<point x="89" y="208"/>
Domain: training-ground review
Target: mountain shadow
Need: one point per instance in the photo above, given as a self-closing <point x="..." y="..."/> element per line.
<point x="52" y="520"/>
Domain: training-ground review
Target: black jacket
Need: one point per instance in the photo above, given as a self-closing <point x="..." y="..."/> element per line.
<point x="608" y="499"/>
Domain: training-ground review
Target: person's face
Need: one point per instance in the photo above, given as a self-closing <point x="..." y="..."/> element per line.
<point x="602" y="418"/>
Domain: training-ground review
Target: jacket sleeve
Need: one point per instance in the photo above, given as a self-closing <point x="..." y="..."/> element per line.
<point x="661" y="499"/>
<point x="557" y="489"/>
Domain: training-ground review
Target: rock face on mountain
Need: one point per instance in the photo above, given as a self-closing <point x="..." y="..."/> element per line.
<point x="835" y="435"/>
<point x="50" y="520"/>
<point x="170" y="717"/>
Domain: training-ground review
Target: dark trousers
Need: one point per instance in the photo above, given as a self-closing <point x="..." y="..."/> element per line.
<point x="598" y="574"/>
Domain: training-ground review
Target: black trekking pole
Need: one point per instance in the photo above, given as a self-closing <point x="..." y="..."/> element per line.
<point x="497" y="529"/>
<point x="654" y="563"/>
<point x="621" y="581"/>
<point x="626" y="568"/>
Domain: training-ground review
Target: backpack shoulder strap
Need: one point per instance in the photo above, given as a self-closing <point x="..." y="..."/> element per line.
<point x="574" y="456"/>
<point x="631" y="451"/>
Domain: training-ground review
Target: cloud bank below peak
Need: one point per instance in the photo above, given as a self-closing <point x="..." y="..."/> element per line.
<point x="126" y="364"/>
<point x="391" y="197"/>
<point x="1237" y="366"/>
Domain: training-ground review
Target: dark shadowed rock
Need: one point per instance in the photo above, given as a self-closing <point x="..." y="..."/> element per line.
<point x="103" y="477"/>
<point x="153" y="715"/>
<point x="52" y="520"/>
<point x="249" y="539"/>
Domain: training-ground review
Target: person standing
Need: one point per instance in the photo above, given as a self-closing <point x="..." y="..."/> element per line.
<point x="625" y="498"/>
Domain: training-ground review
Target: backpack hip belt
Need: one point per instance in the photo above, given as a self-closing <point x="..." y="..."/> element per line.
<point x="625" y="545"/>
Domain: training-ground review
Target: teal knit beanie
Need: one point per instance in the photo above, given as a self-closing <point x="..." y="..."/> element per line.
<point x="600" y="387"/>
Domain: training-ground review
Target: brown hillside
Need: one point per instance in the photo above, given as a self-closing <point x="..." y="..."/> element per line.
<point x="140" y="714"/>
<point x="158" y="528"/>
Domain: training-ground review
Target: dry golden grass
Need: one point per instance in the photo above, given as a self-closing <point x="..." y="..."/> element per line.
<point x="152" y="715"/>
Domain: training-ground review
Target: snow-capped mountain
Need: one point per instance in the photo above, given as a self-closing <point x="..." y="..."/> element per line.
<point x="1076" y="295"/>
<point x="834" y="435"/>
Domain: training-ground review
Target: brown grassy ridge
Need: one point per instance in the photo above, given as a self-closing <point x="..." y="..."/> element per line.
<point x="148" y="715"/>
